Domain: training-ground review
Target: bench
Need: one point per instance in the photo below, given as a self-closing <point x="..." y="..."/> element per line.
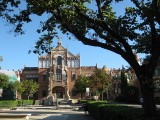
<point x="14" y="116"/>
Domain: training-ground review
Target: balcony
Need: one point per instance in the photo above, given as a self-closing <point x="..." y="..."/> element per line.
<point x="59" y="82"/>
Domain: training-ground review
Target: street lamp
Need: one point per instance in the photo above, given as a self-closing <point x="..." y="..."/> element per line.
<point x="87" y="91"/>
<point x="50" y="82"/>
<point x="1" y="92"/>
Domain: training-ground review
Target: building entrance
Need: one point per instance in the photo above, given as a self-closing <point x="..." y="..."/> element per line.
<point x="59" y="95"/>
<point x="58" y="91"/>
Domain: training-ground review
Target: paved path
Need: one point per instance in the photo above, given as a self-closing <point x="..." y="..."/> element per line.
<point x="49" y="114"/>
<point x="66" y="117"/>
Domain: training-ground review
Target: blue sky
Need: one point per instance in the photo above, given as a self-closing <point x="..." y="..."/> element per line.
<point x="14" y="50"/>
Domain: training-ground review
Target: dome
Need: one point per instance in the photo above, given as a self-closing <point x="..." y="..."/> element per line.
<point x="105" y="68"/>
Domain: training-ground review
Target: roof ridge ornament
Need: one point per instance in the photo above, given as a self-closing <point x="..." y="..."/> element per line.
<point x="59" y="41"/>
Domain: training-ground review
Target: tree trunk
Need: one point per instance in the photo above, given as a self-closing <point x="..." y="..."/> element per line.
<point x="81" y="94"/>
<point x="28" y="97"/>
<point x="107" y="95"/>
<point x="102" y="96"/>
<point x="148" y="99"/>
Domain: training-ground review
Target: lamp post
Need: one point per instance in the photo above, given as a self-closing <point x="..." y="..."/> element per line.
<point x="1" y="92"/>
<point x="50" y="82"/>
<point x="87" y="91"/>
<point x="67" y="85"/>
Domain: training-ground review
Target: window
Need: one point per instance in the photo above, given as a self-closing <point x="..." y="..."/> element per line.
<point x="73" y="76"/>
<point x="44" y="93"/>
<point x="70" y="63"/>
<point x="59" y="77"/>
<point x="40" y="64"/>
<point x="48" y="63"/>
<point x="58" y="74"/>
<point x="43" y="64"/>
<point x="44" y="77"/>
<point x="59" y="60"/>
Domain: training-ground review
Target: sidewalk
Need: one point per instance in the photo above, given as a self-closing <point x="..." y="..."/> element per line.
<point x="67" y="117"/>
<point x="64" y="115"/>
<point x="49" y="114"/>
<point x="80" y="117"/>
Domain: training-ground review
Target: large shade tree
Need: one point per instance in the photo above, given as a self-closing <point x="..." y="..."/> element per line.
<point x="95" y="23"/>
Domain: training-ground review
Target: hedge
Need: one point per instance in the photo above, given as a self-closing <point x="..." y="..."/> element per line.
<point x="105" y="111"/>
<point x="25" y="102"/>
<point x="15" y="103"/>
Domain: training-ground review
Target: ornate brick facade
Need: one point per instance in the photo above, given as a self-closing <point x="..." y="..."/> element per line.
<point x="56" y="73"/>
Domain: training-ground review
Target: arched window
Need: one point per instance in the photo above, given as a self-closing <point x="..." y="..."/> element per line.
<point x="40" y="63"/>
<point x="59" y="60"/>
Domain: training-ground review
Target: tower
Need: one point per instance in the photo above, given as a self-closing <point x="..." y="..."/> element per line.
<point x="58" y="67"/>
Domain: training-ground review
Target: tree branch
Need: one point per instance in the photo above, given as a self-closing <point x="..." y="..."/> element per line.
<point x="127" y="53"/>
<point x="99" y="10"/>
<point x="108" y="41"/>
<point x="156" y="8"/>
<point x="155" y="49"/>
<point x="137" y="4"/>
<point x="104" y="25"/>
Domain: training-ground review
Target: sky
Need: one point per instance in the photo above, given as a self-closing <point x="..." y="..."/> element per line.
<point x="14" y="49"/>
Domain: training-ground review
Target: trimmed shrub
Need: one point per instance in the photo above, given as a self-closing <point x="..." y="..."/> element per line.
<point x="15" y="103"/>
<point x="8" y="103"/>
<point x="103" y="111"/>
<point x="25" y="102"/>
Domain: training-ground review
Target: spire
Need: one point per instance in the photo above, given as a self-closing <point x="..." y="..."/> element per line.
<point x="59" y="42"/>
<point x="96" y="65"/>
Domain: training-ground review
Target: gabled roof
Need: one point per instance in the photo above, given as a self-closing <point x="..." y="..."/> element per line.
<point x="59" y="47"/>
<point x="71" y="56"/>
<point x="44" y="56"/>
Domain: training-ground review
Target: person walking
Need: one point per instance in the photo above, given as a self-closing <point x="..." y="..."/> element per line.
<point x="141" y="102"/>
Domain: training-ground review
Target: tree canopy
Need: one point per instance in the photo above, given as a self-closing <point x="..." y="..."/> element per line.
<point x="81" y="84"/>
<point x="95" y="23"/>
<point x="100" y="82"/>
<point x="27" y="87"/>
<point x="4" y="80"/>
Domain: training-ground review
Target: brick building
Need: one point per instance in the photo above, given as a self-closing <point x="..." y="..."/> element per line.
<point x="56" y="73"/>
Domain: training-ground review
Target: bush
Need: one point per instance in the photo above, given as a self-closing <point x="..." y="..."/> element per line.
<point x="25" y="102"/>
<point x="120" y="98"/>
<point x="131" y="95"/>
<point x="102" y="111"/>
<point x="8" y="103"/>
<point x="15" y="103"/>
